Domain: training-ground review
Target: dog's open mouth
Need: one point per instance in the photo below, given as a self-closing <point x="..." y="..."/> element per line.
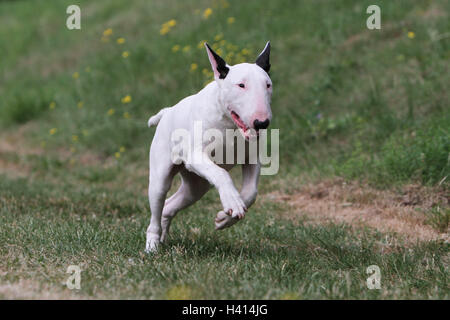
<point x="241" y="125"/>
<point x="243" y="128"/>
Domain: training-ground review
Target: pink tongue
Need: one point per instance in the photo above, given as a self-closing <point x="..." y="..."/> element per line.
<point x="238" y="121"/>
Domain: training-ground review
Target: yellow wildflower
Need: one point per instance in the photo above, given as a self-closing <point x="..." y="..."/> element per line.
<point x="107" y="32"/>
<point x="80" y="104"/>
<point x="166" y="26"/>
<point x="219" y="51"/>
<point x="125" y="54"/>
<point x="231" y="20"/>
<point x="164" y="30"/>
<point x="210" y="75"/>
<point x="201" y="44"/>
<point x="218" y="37"/>
<point x="126" y="115"/>
<point x="207" y="13"/>
<point x="245" y="52"/>
<point x="194" y="67"/>
<point x="126" y="99"/>
<point x="411" y="35"/>
<point x="207" y="73"/>
<point x="75" y="75"/>
<point x="74" y="138"/>
<point x="179" y="292"/>
<point x="53" y="131"/>
<point x="52" y="105"/>
<point x="186" y="49"/>
<point x="120" y="40"/>
<point x="176" y="48"/>
<point x="290" y="296"/>
<point x="231" y="47"/>
<point x="225" y="4"/>
<point x="122" y="149"/>
<point x="117" y="155"/>
<point x="111" y="112"/>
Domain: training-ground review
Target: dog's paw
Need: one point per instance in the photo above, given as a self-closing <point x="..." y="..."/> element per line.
<point x="224" y="220"/>
<point x="233" y="203"/>
<point x="151" y="246"/>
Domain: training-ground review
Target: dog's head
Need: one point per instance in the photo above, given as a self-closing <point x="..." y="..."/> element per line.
<point x="245" y="91"/>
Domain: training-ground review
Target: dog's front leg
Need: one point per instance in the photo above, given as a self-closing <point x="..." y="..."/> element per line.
<point x="231" y="200"/>
<point x="250" y="177"/>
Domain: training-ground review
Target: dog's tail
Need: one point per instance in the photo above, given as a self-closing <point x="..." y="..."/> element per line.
<point x="154" y="120"/>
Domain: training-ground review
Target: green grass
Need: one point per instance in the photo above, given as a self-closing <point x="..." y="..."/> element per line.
<point x="46" y="229"/>
<point x="415" y="153"/>
<point x="439" y="218"/>
<point x="349" y="102"/>
<point x="319" y="53"/>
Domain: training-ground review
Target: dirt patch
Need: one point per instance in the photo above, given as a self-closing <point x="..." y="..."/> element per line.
<point x="391" y="32"/>
<point x="84" y="158"/>
<point x="400" y="211"/>
<point x="14" y="142"/>
<point x="434" y="11"/>
<point x="13" y="170"/>
<point x="14" y="148"/>
<point x="12" y="145"/>
<point x="394" y="31"/>
<point x="27" y="289"/>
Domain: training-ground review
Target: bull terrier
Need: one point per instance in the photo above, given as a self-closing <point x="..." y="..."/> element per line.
<point x="238" y="98"/>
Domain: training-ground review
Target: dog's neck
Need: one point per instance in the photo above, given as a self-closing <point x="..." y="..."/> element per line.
<point x="214" y="94"/>
<point x="216" y="108"/>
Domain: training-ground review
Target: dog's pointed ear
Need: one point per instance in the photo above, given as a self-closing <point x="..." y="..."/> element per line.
<point x="217" y="63"/>
<point x="263" y="59"/>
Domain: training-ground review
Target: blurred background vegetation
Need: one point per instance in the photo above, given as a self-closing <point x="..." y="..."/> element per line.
<point x="364" y="106"/>
<point x="348" y="101"/>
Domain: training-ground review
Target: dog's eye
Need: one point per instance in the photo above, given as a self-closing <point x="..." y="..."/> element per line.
<point x="268" y="85"/>
<point x="241" y="85"/>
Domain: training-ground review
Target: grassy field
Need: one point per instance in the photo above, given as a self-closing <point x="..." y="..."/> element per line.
<point x="364" y="150"/>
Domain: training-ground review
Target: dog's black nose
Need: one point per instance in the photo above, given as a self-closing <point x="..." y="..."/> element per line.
<point x="261" y="124"/>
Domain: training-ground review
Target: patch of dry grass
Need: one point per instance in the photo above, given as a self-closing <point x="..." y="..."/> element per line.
<point x="401" y="211"/>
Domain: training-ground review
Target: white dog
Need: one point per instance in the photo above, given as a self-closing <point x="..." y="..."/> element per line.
<point x="239" y="98"/>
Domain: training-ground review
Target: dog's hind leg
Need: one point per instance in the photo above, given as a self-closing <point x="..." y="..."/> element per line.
<point x="192" y="189"/>
<point x="161" y="175"/>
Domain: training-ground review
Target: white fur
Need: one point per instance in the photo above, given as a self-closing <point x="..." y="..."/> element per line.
<point x="212" y="106"/>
